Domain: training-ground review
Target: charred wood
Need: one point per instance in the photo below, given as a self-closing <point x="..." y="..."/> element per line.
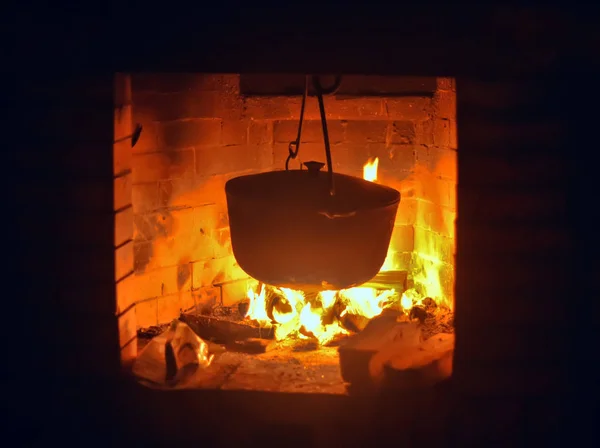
<point x="223" y="331"/>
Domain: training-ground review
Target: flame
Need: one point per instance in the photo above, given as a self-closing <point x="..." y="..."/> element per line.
<point x="320" y="316"/>
<point x="370" y="169"/>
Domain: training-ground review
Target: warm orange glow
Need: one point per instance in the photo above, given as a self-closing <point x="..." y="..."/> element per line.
<point x="320" y="316"/>
<point x="370" y="169"/>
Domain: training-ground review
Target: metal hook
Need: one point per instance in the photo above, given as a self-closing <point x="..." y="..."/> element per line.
<point x="134" y="136"/>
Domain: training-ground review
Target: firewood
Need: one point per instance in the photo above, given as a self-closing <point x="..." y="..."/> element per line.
<point x="389" y="280"/>
<point x="253" y="346"/>
<point x="419" y="367"/>
<point x="358" y="350"/>
<point x="224" y="331"/>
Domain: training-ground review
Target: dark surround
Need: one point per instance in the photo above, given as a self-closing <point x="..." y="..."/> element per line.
<point x="520" y="369"/>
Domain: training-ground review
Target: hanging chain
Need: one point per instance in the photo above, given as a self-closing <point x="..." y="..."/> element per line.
<point x="294" y="146"/>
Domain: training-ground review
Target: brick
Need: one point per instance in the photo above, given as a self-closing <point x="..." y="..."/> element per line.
<point x="402" y="133"/>
<point x="408" y="108"/>
<point x="424" y="131"/>
<point x="339" y="108"/>
<point x="168" y="308"/>
<point x="145" y="197"/>
<point x="123" y="226"/>
<point x="127" y="326"/>
<point x="150" y="226"/>
<point x="149" y="138"/>
<point x="312" y="131"/>
<point x="366" y="131"/>
<point x="159" y="282"/>
<point x="402" y="239"/>
<point x="146" y="313"/>
<point x="223" y="242"/>
<point x="438" y="191"/>
<point x="407" y="210"/>
<point x="271" y="108"/>
<point x="402" y="260"/>
<point x="211" y="161"/>
<point x="122" y="192"/>
<point x="234" y="132"/>
<point x="187" y="301"/>
<point x="189" y="239"/>
<point x="123" y="260"/>
<point x="395" y="161"/>
<point x="122" y="157"/>
<point x="217" y="270"/>
<point x="260" y="132"/>
<point x="158" y="166"/>
<point x="188" y="133"/>
<point x="125" y="293"/>
<point x="445" y="103"/>
<point x="446" y="84"/>
<point x="434" y="246"/>
<point x="288" y="108"/>
<point x="198" y="191"/>
<point x="178" y="105"/>
<point x="435" y="217"/>
<point x="235" y="291"/>
<point x="123" y="121"/>
<point x="207" y="297"/>
<point x="439" y="162"/>
<point x="142" y="251"/>
<point x="311" y="151"/>
<point x="442" y="134"/>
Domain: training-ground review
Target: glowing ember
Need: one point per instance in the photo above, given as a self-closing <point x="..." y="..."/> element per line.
<point x="296" y="314"/>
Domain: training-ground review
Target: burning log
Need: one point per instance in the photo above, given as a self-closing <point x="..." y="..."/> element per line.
<point x="224" y="331"/>
<point x="382" y="331"/>
<point x="389" y="280"/>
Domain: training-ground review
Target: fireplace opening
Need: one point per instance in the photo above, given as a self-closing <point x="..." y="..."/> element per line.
<point x="201" y="130"/>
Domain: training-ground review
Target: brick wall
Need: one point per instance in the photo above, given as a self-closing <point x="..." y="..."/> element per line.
<point x="435" y="197"/>
<point x="199" y="131"/>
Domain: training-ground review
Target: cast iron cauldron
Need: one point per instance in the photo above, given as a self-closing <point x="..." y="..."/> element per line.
<point x="288" y="231"/>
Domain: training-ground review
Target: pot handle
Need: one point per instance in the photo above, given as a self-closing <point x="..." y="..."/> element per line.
<point x="320" y="92"/>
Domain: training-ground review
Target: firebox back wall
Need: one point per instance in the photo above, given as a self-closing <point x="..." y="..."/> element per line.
<point x="199" y="131"/>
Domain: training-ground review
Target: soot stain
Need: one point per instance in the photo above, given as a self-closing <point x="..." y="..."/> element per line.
<point x="184" y="272"/>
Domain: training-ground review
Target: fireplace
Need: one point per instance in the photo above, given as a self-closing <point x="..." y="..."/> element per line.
<point x="201" y="130"/>
<point x="523" y="217"/>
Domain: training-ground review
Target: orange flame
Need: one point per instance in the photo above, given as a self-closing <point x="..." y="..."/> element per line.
<point x="370" y="169"/>
<point x="321" y="316"/>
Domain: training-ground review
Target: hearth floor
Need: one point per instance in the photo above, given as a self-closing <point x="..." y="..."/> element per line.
<point x="286" y="366"/>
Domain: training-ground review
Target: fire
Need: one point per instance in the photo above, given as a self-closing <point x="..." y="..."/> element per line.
<point x="321" y="316"/>
<point x="370" y="169"/>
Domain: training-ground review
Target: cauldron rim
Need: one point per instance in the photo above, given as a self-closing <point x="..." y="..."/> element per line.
<point x="385" y="196"/>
